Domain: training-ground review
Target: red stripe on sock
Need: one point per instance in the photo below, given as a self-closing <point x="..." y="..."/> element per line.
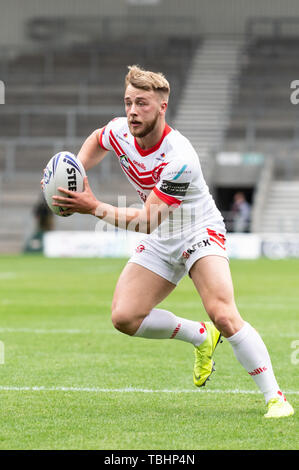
<point x="175" y="331"/>
<point x="258" y="371"/>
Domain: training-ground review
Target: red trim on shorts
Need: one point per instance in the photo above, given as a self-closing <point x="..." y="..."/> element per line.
<point x="217" y="238"/>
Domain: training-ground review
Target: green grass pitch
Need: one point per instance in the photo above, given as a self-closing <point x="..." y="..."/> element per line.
<point x="70" y="381"/>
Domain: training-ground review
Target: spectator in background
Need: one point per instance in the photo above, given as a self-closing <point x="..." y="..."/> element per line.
<point x="241" y="211"/>
<point x="44" y="222"/>
<point x="43" y="216"/>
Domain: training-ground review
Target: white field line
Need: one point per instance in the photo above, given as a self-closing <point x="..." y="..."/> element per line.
<point x="75" y="331"/>
<point x="132" y="390"/>
<point x="41" y="331"/>
<point x="7" y="275"/>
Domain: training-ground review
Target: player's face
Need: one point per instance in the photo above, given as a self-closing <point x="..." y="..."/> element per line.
<point x="143" y="109"/>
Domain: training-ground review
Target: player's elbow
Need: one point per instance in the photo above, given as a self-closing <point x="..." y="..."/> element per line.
<point x="145" y="222"/>
<point x="152" y="222"/>
<point x="142" y="224"/>
<point x="150" y="226"/>
<point x="143" y="227"/>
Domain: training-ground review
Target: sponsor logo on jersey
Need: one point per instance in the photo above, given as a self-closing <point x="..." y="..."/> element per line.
<point x="141" y="165"/>
<point x="161" y="157"/>
<point x="180" y="172"/>
<point x="124" y="161"/>
<point x="174" y="189"/>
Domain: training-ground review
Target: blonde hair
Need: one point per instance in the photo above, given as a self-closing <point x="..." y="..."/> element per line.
<point x="147" y="80"/>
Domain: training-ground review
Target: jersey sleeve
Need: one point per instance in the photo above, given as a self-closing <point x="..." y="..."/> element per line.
<point x="103" y="135"/>
<point x="174" y="182"/>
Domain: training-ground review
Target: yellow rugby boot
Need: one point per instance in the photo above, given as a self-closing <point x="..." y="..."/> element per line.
<point x="278" y="409"/>
<point x="204" y="364"/>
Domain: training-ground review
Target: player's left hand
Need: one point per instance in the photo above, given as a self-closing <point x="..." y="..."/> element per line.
<point x="83" y="203"/>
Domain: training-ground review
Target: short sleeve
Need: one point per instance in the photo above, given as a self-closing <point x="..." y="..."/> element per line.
<point x="103" y="135"/>
<point x="174" y="183"/>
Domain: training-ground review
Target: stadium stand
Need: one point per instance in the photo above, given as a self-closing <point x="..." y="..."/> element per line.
<point x="236" y="99"/>
<point x="262" y="105"/>
<point x="203" y="112"/>
<point x="55" y="98"/>
<point x="264" y="120"/>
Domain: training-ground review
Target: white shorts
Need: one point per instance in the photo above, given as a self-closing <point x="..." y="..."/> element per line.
<point x="173" y="258"/>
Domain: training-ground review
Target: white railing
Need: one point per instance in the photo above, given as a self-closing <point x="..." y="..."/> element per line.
<point x="70" y="113"/>
<point x="261" y="193"/>
<point x="55" y="145"/>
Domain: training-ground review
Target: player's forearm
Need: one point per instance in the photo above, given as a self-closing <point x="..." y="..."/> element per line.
<point x="91" y="153"/>
<point x="127" y="218"/>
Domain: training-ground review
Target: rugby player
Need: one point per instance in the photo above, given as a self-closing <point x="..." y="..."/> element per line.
<point x="185" y="235"/>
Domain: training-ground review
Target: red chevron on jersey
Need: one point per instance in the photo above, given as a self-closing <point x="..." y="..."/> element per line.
<point x="144" y="180"/>
<point x="117" y="148"/>
<point x="139" y="181"/>
<point x="171" y="168"/>
<point x="151" y="180"/>
<point x="152" y="174"/>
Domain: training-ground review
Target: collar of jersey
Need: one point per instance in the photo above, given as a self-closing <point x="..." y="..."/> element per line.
<point x="145" y="152"/>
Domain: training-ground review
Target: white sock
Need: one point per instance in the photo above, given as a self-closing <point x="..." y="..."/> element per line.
<point x="161" y="324"/>
<point x="252" y="354"/>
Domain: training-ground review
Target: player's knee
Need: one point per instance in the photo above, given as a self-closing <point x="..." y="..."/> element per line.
<point x="215" y="307"/>
<point x="120" y="319"/>
<point x="124" y="320"/>
<point x="221" y="311"/>
<point x="223" y="323"/>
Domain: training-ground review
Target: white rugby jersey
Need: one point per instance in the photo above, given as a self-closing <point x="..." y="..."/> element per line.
<point x="171" y="169"/>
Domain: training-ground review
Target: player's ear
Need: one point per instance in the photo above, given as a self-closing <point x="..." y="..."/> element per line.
<point x="163" y="105"/>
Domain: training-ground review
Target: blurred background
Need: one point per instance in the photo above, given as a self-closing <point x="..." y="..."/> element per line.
<point x="232" y="66"/>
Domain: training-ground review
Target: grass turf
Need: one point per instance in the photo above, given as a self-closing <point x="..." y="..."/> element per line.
<point x="56" y="329"/>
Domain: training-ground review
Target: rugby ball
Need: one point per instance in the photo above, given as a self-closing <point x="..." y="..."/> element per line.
<point x="66" y="171"/>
